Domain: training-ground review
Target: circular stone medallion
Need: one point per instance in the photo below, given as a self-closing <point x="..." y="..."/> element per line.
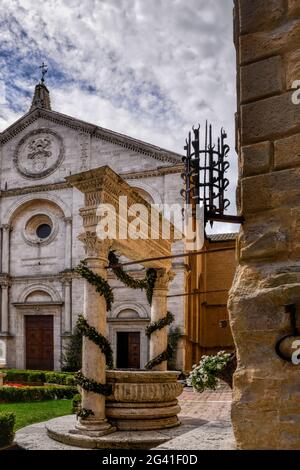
<point x="39" y="153"/>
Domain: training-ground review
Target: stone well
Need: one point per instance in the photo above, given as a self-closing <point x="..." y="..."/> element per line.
<point x="143" y="400"/>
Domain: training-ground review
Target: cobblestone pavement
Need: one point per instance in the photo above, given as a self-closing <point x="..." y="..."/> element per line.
<point x="205" y="419"/>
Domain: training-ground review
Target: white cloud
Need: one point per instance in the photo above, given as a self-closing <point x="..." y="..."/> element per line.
<point x="154" y="68"/>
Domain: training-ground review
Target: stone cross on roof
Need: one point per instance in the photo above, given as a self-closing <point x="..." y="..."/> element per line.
<point x="44" y="70"/>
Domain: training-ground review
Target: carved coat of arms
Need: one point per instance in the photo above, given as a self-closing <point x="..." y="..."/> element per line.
<point x="39" y="153"/>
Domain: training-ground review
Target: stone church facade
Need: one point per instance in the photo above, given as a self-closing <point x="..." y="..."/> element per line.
<point x="39" y="214"/>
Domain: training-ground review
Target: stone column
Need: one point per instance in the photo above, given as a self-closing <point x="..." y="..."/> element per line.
<point x="68" y="243"/>
<point x="93" y="360"/>
<point x="67" y="316"/>
<point x="266" y="405"/>
<point x="4" y="307"/>
<point x="1" y="249"/>
<point x="159" y="338"/>
<point x="5" y="248"/>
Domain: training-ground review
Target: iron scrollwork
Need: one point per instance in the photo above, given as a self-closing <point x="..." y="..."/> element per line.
<point x="204" y="177"/>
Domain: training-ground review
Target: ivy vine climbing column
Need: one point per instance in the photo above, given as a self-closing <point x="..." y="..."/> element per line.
<point x="93" y="374"/>
<point x="159" y="337"/>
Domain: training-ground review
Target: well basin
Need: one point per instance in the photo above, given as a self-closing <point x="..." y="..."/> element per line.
<point x="143" y="400"/>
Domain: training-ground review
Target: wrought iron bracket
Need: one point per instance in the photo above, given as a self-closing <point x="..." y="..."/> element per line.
<point x="205" y="182"/>
<point x="231" y="219"/>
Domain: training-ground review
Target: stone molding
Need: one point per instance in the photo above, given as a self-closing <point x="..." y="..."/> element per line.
<point x="34" y="189"/>
<point x="52" y="292"/>
<point x="63" y="185"/>
<point x="152" y="192"/>
<point x="139" y="308"/>
<point x="161" y="171"/>
<point x="47" y="277"/>
<point x="134" y="322"/>
<point x="34" y="197"/>
<point x="38" y="306"/>
<point x="33" y="241"/>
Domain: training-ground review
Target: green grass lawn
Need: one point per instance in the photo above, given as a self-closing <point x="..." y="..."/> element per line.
<point x="37" y="411"/>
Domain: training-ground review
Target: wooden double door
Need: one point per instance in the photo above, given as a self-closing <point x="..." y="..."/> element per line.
<point x="39" y="342"/>
<point x="128" y="350"/>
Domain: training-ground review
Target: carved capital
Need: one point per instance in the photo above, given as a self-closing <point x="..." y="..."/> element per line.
<point x="95" y="248"/>
<point x="67" y="277"/>
<point x="6" y="227"/>
<point x="5" y="282"/>
<point x="163" y="279"/>
<point x="68" y="220"/>
<point x="90" y="242"/>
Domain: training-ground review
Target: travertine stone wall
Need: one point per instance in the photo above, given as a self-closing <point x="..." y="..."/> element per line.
<point x="266" y="406"/>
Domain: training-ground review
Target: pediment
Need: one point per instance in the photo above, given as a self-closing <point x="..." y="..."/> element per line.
<point x="144" y="148"/>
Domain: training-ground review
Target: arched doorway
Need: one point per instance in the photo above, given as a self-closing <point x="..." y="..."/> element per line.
<point x="39" y="333"/>
<point x="128" y="344"/>
<point x="127" y="335"/>
<point x="38" y="328"/>
<point x="39" y="342"/>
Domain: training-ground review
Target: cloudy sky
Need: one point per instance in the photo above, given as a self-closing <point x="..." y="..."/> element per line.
<point x="147" y="68"/>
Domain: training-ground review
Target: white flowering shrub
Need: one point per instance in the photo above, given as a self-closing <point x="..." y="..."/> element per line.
<point x="204" y="375"/>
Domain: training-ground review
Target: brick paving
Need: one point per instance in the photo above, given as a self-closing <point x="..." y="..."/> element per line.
<point x="209" y="405"/>
<point x="205" y="419"/>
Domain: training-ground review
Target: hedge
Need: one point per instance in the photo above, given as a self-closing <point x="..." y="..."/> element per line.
<point x="14" y="394"/>
<point x="15" y="375"/>
<point x="38" y="376"/>
<point x="7" y="423"/>
<point x="61" y="378"/>
<point x="76" y="402"/>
